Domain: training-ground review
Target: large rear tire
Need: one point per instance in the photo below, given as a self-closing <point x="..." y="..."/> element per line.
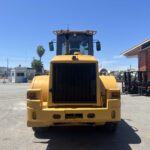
<point x="111" y="127"/>
<point x="40" y="129"/>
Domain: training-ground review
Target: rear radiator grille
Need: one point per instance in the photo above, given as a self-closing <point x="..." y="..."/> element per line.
<point x="74" y="83"/>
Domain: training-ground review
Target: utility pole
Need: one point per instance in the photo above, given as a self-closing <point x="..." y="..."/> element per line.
<point x="130" y="67"/>
<point x="7" y="67"/>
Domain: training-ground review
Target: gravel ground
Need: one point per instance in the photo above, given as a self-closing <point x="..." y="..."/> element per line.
<point x="133" y="131"/>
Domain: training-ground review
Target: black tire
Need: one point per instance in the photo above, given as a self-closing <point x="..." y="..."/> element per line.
<point x="111" y="127"/>
<point x="40" y="129"/>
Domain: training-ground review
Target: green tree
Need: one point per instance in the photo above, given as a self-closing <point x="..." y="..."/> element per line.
<point x="40" y="51"/>
<point x="37" y="65"/>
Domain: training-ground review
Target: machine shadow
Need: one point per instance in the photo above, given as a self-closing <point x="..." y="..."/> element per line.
<point x="89" y="138"/>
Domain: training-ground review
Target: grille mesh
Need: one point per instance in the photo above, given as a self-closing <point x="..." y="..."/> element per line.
<point x="74" y="83"/>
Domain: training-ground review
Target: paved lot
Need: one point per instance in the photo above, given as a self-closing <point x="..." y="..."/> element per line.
<point x="133" y="132"/>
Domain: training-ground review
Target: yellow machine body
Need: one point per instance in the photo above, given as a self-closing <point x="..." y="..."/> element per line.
<point x="42" y="111"/>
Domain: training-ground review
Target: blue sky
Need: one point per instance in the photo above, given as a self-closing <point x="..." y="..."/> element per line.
<point x="25" y="24"/>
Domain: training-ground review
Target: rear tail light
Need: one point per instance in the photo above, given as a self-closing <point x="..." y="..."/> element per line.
<point x="148" y="87"/>
<point x="113" y="114"/>
<point x="32" y="95"/>
<point x="115" y="95"/>
<point x="34" y="115"/>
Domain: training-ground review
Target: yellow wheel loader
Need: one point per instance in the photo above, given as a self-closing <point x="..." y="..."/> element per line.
<point x="73" y="93"/>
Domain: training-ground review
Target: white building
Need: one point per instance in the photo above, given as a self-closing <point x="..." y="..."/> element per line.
<point x="21" y="74"/>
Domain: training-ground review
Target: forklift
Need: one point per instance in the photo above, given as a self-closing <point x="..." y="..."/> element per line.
<point x="136" y="82"/>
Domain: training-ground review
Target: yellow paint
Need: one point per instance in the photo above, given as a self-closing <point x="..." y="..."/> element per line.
<point x="45" y="115"/>
<point x="42" y="83"/>
<point x="68" y="59"/>
<point x="109" y="82"/>
<point x="44" y="109"/>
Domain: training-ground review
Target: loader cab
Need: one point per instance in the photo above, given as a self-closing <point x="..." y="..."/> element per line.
<point x="68" y="42"/>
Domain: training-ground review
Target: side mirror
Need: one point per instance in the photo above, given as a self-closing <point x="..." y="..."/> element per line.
<point x="51" y="46"/>
<point x="98" y="45"/>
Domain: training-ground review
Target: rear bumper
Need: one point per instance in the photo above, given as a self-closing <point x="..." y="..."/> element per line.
<point x="41" y="117"/>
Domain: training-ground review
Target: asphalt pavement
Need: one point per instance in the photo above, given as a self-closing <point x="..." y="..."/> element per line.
<point x="133" y="132"/>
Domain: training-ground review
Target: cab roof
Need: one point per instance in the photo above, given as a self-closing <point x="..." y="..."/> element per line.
<point x="61" y="32"/>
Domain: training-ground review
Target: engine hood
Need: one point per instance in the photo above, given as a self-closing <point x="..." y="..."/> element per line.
<point x="74" y="59"/>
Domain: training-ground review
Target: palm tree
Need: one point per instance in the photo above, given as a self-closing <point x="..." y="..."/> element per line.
<point x="40" y="51"/>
